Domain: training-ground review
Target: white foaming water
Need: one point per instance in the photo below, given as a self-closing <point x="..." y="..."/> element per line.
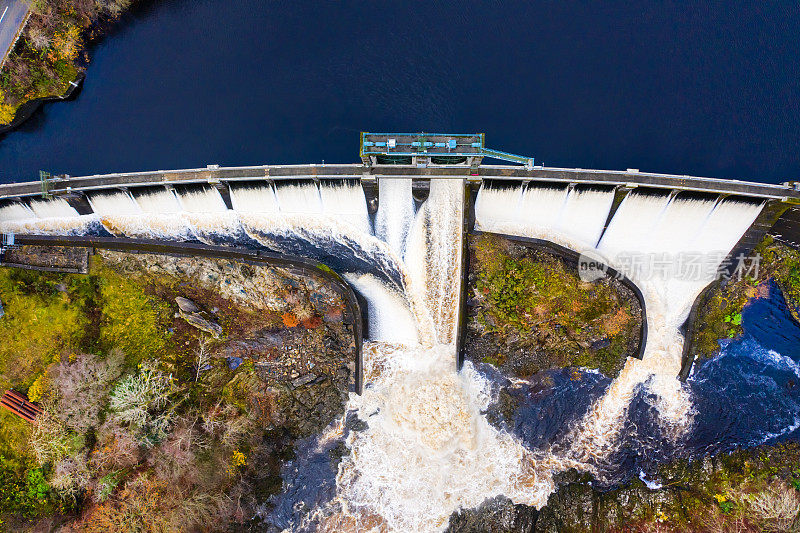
<point x="299" y="199"/>
<point x="161" y="202"/>
<point x="584" y="215"/>
<point x="46" y="217"/>
<point x="433" y="255"/>
<point x="428" y="450"/>
<point x="643" y="224"/>
<point x="113" y="204"/>
<point x="204" y="200"/>
<point x="16" y="211"/>
<point x="390" y="318"/>
<point x="55" y="208"/>
<point x="347" y="202"/>
<point x="254" y="199"/>
<point x="667" y="228"/>
<point x="572" y="218"/>
<point x="395" y="212"/>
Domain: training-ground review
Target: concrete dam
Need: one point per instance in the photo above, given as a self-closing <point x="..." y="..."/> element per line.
<point x="395" y="231"/>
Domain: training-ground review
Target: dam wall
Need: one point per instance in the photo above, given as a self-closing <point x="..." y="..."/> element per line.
<point x="221" y="175"/>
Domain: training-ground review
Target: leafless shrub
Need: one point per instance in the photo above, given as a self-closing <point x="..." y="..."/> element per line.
<point x="235" y="429"/>
<point x="112" y="7"/>
<point x="71" y="475"/>
<point x="38" y="38"/>
<point x="117" y="446"/>
<point x="716" y="522"/>
<point x="226" y="424"/>
<point x="81" y="388"/>
<point x="776" y="508"/>
<point x="202" y="355"/>
<point x="174" y="459"/>
<point x="49" y="439"/>
<point x="141" y="399"/>
<point x="200" y="509"/>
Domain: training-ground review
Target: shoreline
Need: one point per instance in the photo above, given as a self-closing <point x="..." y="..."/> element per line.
<point x="90" y="36"/>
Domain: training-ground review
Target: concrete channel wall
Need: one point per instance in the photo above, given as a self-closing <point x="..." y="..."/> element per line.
<point x="303" y="265"/>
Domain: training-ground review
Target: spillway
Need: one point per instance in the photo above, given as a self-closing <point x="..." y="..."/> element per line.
<point x="571" y="217"/>
<point x="428" y="448"/>
<point x="55" y="208"/>
<point x="648" y="239"/>
<point x="395" y="212"/>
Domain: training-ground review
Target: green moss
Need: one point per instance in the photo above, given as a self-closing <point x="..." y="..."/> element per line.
<point x="533" y="296"/>
<point x="131" y="320"/>
<point x="721" y="314"/>
<point x="39" y="324"/>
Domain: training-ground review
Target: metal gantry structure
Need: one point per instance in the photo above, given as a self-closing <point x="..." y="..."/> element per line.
<point x="423" y="149"/>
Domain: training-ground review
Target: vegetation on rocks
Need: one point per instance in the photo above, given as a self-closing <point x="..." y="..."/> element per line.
<point x="150" y="423"/>
<point x="529" y="311"/>
<point x="720" y="314"/>
<point x="745" y="491"/>
<point x="47" y="58"/>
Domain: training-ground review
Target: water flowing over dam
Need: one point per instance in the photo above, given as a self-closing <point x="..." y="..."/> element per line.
<point x="428" y="448"/>
<point x="645" y="228"/>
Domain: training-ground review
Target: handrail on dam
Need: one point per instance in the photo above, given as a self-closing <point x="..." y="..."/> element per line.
<point x="214" y="175"/>
<point x="238" y="254"/>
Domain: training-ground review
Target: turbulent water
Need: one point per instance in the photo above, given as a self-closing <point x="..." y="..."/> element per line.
<point x="425" y="446"/>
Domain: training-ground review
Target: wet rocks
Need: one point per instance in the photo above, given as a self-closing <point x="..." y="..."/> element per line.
<point x="193" y="315"/>
<point x="496" y="515"/>
<point x="303" y="380"/>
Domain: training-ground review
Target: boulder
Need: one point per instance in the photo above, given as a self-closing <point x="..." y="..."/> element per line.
<point x="186" y="305"/>
<point x="203" y="324"/>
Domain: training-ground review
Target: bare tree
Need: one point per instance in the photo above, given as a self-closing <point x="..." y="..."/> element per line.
<point x="202" y="355"/>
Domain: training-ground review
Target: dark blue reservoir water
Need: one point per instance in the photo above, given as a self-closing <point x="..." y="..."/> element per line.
<point x="699" y="88"/>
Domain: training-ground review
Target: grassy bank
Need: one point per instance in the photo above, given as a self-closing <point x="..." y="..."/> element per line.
<point x="529" y="311"/>
<point x="721" y="314"/>
<point x="158" y="419"/>
<point x="50" y="51"/>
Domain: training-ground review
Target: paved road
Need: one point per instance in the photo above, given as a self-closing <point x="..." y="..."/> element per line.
<point x="12" y="15"/>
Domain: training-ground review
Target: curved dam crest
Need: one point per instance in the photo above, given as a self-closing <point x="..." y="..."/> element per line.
<point x="396" y="235"/>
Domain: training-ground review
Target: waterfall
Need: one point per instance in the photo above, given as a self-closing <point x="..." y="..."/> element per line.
<point x="573" y="218"/>
<point x="113" y="204"/>
<point x="347" y="202"/>
<point x="159" y="202"/>
<point x="299" y="199"/>
<point x="428" y="448"/>
<point x="16" y="211"/>
<point x="395" y="212"/>
<point x="658" y="228"/>
<point x="254" y="199"/>
<point x="55" y="208"/>
<point x="433" y="255"/>
<point x="202" y="200"/>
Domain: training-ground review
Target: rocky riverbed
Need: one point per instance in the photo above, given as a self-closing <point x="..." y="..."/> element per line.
<point x="174" y="388"/>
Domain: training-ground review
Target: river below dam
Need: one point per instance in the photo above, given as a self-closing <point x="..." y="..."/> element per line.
<point x="419" y="444"/>
<point x="186" y="83"/>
